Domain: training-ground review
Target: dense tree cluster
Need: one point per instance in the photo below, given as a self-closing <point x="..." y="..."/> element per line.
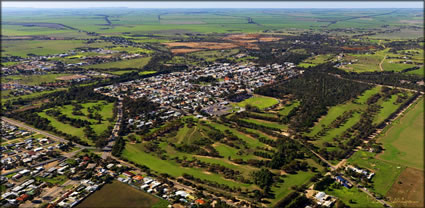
<point x="317" y="91"/>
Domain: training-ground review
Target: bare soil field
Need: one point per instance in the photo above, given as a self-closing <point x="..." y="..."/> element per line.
<point x="198" y="46"/>
<point x="408" y="190"/>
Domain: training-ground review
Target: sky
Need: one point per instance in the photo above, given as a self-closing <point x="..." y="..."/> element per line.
<point x="214" y="4"/>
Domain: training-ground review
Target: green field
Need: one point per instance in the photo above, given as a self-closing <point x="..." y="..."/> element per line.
<point x="137" y="63"/>
<point x="385" y="173"/>
<point x="117" y="194"/>
<point x="388" y="107"/>
<point x="403" y="141"/>
<point x="106" y="113"/>
<point x="266" y="123"/>
<point x="288" y="108"/>
<point x="260" y="102"/>
<point x="358" y="197"/>
<point x="135" y="153"/>
<point x="316" y="60"/>
<point x="31" y="79"/>
<point x="367" y="94"/>
<point x="43" y="47"/>
<point x="281" y="190"/>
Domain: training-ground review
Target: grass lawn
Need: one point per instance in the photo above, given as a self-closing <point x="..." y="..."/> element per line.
<point x="285" y="111"/>
<point x="283" y="189"/>
<point x="118" y="194"/>
<point x="332" y="133"/>
<point x="385" y="172"/>
<point x="403" y="141"/>
<point x="252" y="142"/>
<point x="57" y="180"/>
<point x="332" y="114"/>
<point x="135" y="153"/>
<point x="316" y="60"/>
<point x="106" y="113"/>
<point x="360" y="199"/>
<point x="388" y="107"/>
<point x="31" y="79"/>
<point x="266" y="123"/>
<point x="261" y="102"/>
<point x="367" y="94"/>
<point x="137" y="63"/>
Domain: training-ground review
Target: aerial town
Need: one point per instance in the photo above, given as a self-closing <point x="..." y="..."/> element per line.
<point x="185" y="105"/>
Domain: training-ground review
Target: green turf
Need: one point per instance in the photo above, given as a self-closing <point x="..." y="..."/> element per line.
<point x="31" y="79"/>
<point x="367" y="94"/>
<point x="285" y="111"/>
<point x="354" y="195"/>
<point x="137" y="63"/>
<point x="385" y="173"/>
<point x="281" y="190"/>
<point x="261" y="102"/>
<point x="404" y="139"/>
<point x="134" y="152"/>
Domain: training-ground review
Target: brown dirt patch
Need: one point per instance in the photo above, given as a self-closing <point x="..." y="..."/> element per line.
<point x="357" y="48"/>
<point x="408" y="190"/>
<point x="71" y="77"/>
<point x="184" y="50"/>
<point x="198" y="46"/>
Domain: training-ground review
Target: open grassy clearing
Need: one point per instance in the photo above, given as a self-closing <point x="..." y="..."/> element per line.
<point x="31" y="79"/>
<point x="403" y="141"/>
<point x="281" y="190"/>
<point x="388" y="107"/>
<point x="358" y="197"/>
<point x="252" y="142"/>
<point x="266" y="123"/>
<point x="316" y="60"/>
<point x="43" y="47"/>
<point x="385" y="173"/>
<point x="135" y="153"/>
<point x="332" y="114"/>
<point x="105" y="112"/>
<point x="258" y="101"/>
<point x="333" y="133"/>
<point x="367" y="94"/>
<point x="288" y="108"/>
<point x="137" y="63"/>
<point x="118" y="194"/>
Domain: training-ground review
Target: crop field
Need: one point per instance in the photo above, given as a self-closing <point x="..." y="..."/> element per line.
<point x="402" y="142"/>
<point x="117" y="194"/>
<point x="137" y="63"/>
<point x="385" y="173"/>
<point x="260" y="102"/>
<point x="408" y="191"/>
<point x="42" y="47"/>
<point x="31" y="79"/>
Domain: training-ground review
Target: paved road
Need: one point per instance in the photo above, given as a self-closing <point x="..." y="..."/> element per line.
<point x="107" y="151"/>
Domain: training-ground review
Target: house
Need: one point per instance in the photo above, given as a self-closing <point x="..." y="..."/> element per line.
<point x="128" y="174"/>
<point x="343" y="182"/>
